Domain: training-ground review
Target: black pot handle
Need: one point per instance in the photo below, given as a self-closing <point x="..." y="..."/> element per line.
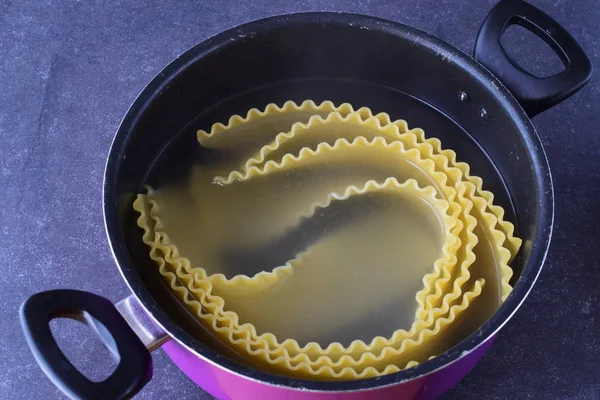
<point x="535" y="94"/>
<point x="135" y="363"/>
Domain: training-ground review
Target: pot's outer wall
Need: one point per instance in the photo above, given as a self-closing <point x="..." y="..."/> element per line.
<point x="69" y="74"/>
<point x="227" y="386"/>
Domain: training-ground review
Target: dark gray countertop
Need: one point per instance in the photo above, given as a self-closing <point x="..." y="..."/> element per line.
<point x="68" y="72"/>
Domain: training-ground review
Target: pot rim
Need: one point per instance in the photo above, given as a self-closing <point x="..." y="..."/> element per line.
<point x="531" y="271"/>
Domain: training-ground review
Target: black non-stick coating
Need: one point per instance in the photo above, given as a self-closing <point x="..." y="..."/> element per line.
<point x="365" y="61"/>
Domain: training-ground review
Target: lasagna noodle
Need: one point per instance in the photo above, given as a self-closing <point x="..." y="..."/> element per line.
<point x="376" y="156"/>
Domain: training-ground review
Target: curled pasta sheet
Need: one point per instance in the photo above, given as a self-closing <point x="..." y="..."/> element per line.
<point x="335" y="125"/>
<point x="382" y="157"/>
<point x="344" y="151"/>
<point x="298" y="118"/>
<point x="259" y="125"/>
<point x="389" y="157"/>
<point x="343" y="368"/>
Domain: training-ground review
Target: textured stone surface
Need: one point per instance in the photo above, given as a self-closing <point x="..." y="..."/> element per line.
<point x="68" y="72"/>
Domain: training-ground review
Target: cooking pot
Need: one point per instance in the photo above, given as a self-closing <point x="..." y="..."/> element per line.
<point x="480" y="107"/>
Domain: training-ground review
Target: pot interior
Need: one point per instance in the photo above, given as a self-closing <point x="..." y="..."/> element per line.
<point x="343" y="58"/>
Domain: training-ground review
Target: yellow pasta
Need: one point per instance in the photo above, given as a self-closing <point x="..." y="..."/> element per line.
<point x="322" y="157"/>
